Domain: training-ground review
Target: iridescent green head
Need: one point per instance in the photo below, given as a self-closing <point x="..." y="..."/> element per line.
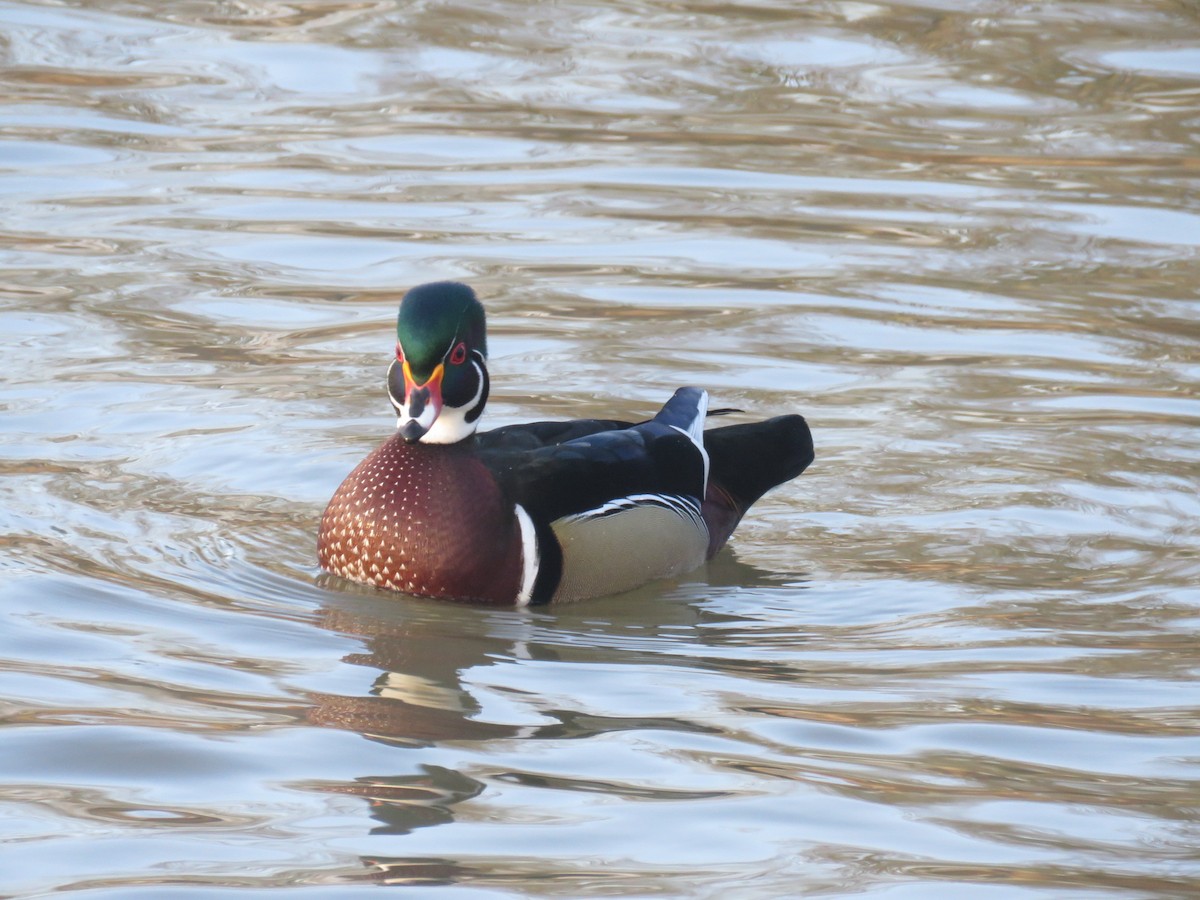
<point x="438" y="382"/>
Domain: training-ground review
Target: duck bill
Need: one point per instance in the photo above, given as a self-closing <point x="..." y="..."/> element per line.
<point x="422" y="404"/>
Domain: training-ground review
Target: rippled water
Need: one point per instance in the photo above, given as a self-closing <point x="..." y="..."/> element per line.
<point x="957" y="657"/>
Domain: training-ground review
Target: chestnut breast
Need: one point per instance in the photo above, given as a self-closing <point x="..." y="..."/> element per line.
<point x="423" y="519"/>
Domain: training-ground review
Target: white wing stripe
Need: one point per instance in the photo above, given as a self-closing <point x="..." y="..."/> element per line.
<point x="684" y="507"/>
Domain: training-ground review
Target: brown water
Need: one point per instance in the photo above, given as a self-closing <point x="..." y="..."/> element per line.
<point x="957" y="658"/>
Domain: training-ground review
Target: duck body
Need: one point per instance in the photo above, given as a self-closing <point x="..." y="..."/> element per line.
<point x="545" y="511"/>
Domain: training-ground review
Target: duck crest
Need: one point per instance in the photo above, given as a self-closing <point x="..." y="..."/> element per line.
<point x="426" y="520"/>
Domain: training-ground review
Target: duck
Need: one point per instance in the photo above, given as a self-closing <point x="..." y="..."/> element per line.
<point x="539" y="512"/>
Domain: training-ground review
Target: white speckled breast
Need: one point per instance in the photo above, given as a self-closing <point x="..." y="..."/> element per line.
<point x="425" y="520"/>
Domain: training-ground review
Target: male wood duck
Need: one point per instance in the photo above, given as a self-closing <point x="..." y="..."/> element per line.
<point x="547" y="511"/>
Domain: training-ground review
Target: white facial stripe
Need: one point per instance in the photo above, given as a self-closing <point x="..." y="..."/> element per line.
<point x="395" y="400"/>
<point x="480" y="379"/>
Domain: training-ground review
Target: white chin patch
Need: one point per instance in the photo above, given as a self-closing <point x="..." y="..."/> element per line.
<point x="426" y="420"/>
<point x="451" y="426"/>
<point x="448" y="428"/>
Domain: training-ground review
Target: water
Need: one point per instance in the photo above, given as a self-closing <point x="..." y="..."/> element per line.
<point x="958" y="656"/>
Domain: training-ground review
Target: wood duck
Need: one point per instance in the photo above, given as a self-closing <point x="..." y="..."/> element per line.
<point x="540" y="512"/>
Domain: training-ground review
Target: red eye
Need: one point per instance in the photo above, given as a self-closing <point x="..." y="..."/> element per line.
<point x="458" y="355"/>
<point x="399" y="352"/>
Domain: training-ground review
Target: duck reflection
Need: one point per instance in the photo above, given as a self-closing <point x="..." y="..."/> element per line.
<point x="419" y="654"/>
<point x="404" y="803"/>
<point x="416" y="696"/>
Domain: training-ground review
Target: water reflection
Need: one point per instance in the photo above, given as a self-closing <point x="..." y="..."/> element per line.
<point x="847" y="714"/>
<point x="419" y="655"/>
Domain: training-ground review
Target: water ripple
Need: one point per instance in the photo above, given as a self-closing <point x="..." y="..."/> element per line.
<point x="956" y="656"/>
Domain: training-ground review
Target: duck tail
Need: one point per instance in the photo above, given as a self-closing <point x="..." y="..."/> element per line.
<point x="745" y="462"/>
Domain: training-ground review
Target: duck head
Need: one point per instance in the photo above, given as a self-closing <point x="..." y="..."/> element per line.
<point x="438" y="382"/>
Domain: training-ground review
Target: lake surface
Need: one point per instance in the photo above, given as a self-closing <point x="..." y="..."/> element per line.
<point x="958" y="657"/>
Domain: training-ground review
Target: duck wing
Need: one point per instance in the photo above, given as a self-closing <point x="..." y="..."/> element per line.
<point x="556" y="469"/>
<point x="528" y="436"/>
<point x="612" y="508"/>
